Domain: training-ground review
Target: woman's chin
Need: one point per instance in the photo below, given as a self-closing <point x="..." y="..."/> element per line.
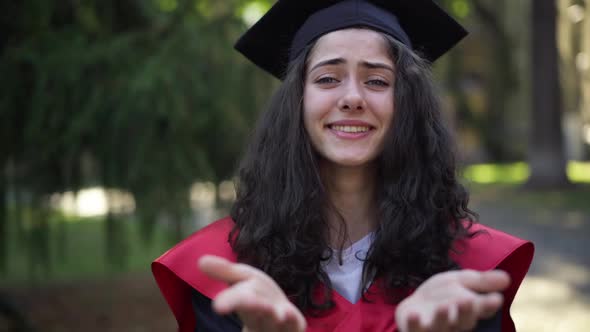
<point x="350" y="161"/>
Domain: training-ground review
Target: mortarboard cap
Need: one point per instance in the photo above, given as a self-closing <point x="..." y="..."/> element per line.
<point x="284" y="31"/>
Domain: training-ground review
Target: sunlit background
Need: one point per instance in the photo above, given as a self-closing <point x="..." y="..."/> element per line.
<point x="123" y="122"/>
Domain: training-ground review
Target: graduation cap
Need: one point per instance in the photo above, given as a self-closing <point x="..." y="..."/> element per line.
<point x="290" y="25"/>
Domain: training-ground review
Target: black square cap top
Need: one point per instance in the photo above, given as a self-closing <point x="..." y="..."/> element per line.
<point x="290" y="25"/>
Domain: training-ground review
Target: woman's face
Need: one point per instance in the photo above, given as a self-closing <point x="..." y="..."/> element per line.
<point x="348" y="96"/>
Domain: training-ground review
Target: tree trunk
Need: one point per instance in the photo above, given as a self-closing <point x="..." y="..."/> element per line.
<point x="178" y="220"/>
<point x="501" y="83"/>
<point x="38" y="241"/>
<point x="3" y="222"/>
<point x="116" y="239"/>
<point x="546" y="151"/>
<point x="18" y="215"/>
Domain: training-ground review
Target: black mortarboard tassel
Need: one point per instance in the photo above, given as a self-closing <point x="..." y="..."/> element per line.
<point x="290" y="25"/>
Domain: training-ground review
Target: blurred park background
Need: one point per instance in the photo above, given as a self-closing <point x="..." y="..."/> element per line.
<point x="121" y="123"/>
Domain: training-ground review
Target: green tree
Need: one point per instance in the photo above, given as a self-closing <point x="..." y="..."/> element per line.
<point x="546" y="151"/>
<point x="144" y="96"/>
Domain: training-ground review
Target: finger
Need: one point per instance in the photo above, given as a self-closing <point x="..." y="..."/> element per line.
<point x="440" y="321"/>
<point x="278" y="316"/>
<point x="241" y="297"/>
<point x="453" y="314"/>
<point x="224" y="270"/>
<point x="489" y="305"/>
<point x="414" y="324"/>
<point x="466" y="315"/>
<point x="293" y="321"/>
<point x="275" y="320"/>
<point x="268" y="323"/>
<point x="484" y="282"/>
<point x="253" y="322"/>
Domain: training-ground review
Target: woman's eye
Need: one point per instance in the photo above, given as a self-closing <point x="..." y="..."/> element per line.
<point x="326" y="80"/>
<point x="378" y="83"/>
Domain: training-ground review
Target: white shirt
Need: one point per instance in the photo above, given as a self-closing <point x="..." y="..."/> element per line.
<point x="346" y="278"/>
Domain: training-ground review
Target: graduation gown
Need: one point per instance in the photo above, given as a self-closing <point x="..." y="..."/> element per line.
<point x="177" y="276"/>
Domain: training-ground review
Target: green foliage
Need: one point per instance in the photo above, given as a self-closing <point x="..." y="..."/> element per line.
<point x="578" y="171"/>
<point x="146" y="96"/>
<point x="497" y="173"/>
<point x="84" y="252"/>
<point x="517" y="173"/>
<point x="460" y="8"/>
<point x="502" y="184"/>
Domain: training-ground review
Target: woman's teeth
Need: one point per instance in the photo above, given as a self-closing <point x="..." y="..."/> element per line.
<point x="351" y="129"/>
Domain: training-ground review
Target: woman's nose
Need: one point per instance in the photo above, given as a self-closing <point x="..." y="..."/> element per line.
<point x="352" y="98"/>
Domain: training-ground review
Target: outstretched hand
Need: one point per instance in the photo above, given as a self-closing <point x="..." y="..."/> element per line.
<point x="452" y="301"/>
<point x="253" y="295"/>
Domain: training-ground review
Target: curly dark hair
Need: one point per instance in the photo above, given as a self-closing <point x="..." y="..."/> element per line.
<point x="280" y="213"/>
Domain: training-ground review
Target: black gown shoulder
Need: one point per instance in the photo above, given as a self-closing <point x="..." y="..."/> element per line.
<point x="210" y="321"/>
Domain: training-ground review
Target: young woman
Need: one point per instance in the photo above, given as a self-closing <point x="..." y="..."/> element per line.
<point x="349" y="216"/>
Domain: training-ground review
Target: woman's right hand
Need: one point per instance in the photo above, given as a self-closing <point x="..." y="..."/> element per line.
<point x="254" y="296"/>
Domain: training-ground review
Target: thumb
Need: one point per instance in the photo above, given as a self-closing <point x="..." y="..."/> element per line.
<point x="484" y="282"/>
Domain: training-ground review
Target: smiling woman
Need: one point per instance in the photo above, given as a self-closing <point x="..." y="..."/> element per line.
<point x="348" y="214"/>
<point x="348" y="99"/>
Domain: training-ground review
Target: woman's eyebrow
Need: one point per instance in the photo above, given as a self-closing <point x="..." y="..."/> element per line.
<point x="377" y="65"/>
<point x="366" y="64"/>
<point x="329" y="62"/>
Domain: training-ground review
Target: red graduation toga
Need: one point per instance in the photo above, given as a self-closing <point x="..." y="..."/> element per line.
<point x="176" y="273"/>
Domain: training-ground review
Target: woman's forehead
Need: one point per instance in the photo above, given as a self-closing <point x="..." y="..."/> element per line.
<point x="352" y="43"/>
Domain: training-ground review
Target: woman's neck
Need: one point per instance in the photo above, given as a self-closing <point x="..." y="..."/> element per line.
<point x="351" y="191"/>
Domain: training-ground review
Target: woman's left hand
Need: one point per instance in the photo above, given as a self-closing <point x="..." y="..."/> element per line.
<point x="257" y="299"/>
<point x="452" y="301"/>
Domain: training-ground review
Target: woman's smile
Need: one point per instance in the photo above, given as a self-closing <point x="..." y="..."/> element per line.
<point x="350" y="129"/>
